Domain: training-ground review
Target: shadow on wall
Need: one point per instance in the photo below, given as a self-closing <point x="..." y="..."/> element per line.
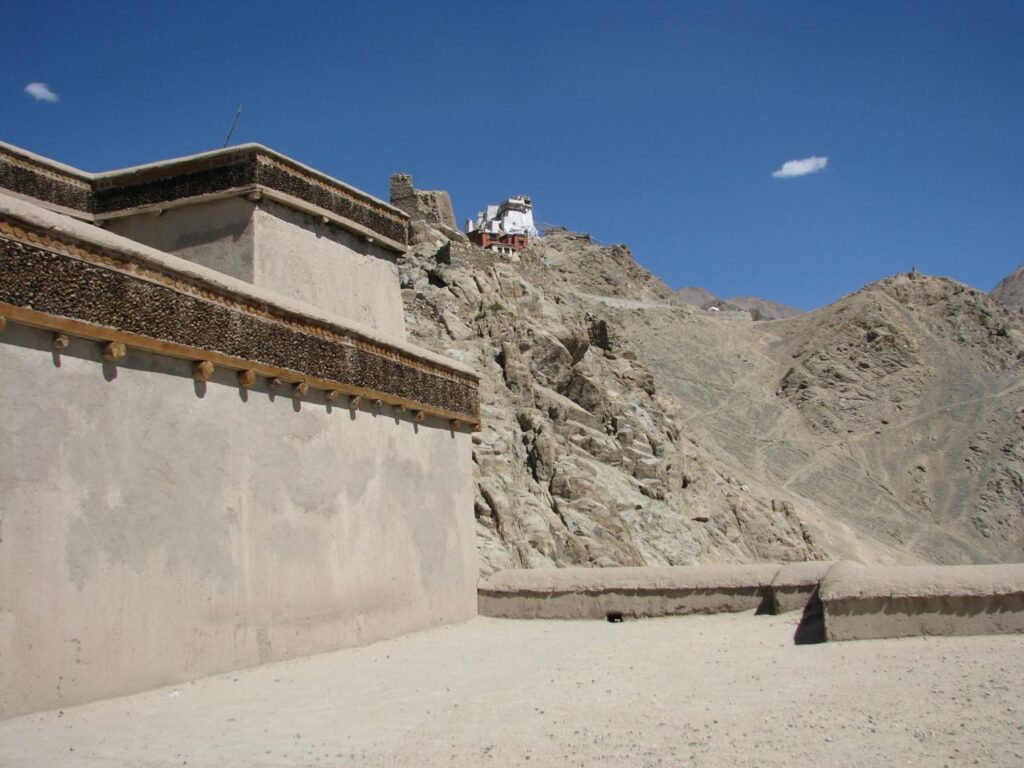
<point x="811" y="629"/>
<point x="60" y="346"/>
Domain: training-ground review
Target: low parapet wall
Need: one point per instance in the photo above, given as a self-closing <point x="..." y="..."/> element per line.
<point x="796" y="585"/>
<point x="597" y="593"/>
<point x="856" y="602"/>
<point x="865" y="603"/>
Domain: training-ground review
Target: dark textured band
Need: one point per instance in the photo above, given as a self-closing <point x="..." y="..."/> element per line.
<point x="218" y="172"/>
<point x="88" y="285"/>
<point x="33" y="179"/>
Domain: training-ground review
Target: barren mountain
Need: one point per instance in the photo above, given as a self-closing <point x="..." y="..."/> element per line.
<point x="764" y="309"/>
<point x="622" y="426"/>
<point x="760" y="309"/>
<point x="696" y="296"/>
<point x="1010" y="291"/>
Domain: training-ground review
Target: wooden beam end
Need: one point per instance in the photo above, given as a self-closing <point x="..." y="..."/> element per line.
<point x="203" y="370"/>
<point x="114" y="351"/>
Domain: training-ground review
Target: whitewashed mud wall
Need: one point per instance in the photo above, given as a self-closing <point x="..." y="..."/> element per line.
<point x="151" y="536"/>
<point x="156" y="527"/>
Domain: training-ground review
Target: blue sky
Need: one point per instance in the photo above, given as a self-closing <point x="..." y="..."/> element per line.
<point x="656" y="124"/>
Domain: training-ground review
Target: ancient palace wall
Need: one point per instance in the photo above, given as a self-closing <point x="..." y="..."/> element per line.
<point x="200" y="474"/>
<point x="292" y="253"/>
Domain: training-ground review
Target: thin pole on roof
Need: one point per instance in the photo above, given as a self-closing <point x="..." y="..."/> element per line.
<point x="233" y="124"/>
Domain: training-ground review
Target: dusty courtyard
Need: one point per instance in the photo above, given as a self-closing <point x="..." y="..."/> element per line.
<point x="723" y="690"/>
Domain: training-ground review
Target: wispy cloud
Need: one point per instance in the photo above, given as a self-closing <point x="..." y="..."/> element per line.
<point x="41" y="92"/>
<point x="803" y="167"/>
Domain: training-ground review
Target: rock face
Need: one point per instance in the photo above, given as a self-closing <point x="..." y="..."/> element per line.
<point x="581" y="460"/>
<point x="624" y="427"/>
<point x="1010" y="291"/>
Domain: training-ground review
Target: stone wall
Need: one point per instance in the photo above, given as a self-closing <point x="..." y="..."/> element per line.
<point x="433" y="207"/>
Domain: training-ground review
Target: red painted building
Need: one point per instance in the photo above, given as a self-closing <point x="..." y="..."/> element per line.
<point x="502" y="243"/>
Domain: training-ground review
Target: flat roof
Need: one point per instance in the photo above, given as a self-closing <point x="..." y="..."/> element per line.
<point x="246" y="169"/>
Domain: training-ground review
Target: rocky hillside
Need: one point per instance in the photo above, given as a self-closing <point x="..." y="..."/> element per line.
<point x="759" y="309"/>
<point x="892" y="416"/>
<point x="1010" y="291"/>
<point x="581" y="459"/>
<point x="763" y="309"/>
<point x="623" y="426"/>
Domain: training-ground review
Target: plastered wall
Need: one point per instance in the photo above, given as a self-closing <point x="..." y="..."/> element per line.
<point x="337" y="271"/>
<point x="154" y="529"/>
<point x="291" y="253"/>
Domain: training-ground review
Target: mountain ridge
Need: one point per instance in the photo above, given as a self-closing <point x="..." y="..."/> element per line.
<point x="759" y="309"/>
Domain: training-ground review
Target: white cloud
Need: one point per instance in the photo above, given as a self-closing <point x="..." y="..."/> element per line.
<point x="41" y="92"/>
<point x="803" y="167"/>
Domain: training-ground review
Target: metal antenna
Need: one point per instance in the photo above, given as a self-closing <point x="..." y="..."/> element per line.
<point x="233" y="124"/>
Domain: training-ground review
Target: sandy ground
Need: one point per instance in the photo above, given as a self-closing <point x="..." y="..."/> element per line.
<point x="725" y="690"/>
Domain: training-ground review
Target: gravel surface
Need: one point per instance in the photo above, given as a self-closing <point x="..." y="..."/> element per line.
<point x="723" y="690"/>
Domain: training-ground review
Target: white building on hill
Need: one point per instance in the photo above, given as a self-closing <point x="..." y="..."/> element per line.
<point x="504" y="228"/>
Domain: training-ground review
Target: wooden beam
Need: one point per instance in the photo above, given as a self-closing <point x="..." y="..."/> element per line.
<point x="300" y="389"/>
<point x="60" y="340"/>
<point x="118" y="341"/>
<point x="246" y="378"/>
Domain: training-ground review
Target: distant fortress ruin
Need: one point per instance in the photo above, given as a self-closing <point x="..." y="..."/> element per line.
<point x="505" y="228"/>
<point x="220" y="450"/>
